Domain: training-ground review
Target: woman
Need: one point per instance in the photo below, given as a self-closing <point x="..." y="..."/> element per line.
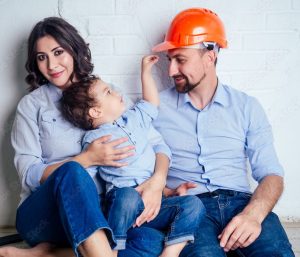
<point x="60" y="206"/>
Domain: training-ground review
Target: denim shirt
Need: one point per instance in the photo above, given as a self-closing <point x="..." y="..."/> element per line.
<point x="212" y="147"/>
<point x="133" y="124"/>
<point x="41" y="136"/>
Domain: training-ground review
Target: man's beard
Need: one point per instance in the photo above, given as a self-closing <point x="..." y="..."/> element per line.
<point x="187" y="87"/>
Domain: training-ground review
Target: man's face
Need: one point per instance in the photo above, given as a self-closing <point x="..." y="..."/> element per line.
<point x="186" y="68"/>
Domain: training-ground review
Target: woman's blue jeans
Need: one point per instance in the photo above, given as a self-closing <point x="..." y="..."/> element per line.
<point x="179" y="217"/>
<point x="66" y="210"/>
<point x="220" y="209"/>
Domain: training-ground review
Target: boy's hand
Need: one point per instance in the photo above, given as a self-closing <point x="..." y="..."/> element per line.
<point x="179" y="191"/>
<point x="148" y="61"/>
<point x="151" y="195"/>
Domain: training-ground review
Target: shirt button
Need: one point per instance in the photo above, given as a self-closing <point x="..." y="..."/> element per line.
<point x="129" y="134"/>
<point x="54" y="120"/>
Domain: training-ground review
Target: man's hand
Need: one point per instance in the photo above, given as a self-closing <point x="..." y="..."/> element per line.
<point x="244" y="228"/>
<point x="151" y="193"/>
<point x="240" y="232"/>
<point x="179" y="191"/>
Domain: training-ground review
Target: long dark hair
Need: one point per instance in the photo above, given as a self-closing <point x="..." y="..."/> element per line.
<point x="69" y="39"/>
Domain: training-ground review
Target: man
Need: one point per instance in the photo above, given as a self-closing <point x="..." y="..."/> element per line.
<point x="213" y="130"/>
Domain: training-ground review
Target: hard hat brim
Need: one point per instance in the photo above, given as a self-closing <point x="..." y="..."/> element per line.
<point x="164" y="46"/>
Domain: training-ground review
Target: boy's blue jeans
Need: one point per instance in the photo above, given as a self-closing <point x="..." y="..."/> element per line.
<point x="220" y="209"/>
<point x="179" y="217"/>
<point x="66" y="210"/>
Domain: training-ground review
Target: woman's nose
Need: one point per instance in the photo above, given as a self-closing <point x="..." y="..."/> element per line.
<point x="52" y="63"/>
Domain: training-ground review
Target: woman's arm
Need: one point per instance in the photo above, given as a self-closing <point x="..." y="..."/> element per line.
<point x="100" y="152"/>
<point x="32" y="168"/>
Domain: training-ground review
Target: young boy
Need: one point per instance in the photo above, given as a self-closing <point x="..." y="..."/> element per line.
<point x="94" y="105"/>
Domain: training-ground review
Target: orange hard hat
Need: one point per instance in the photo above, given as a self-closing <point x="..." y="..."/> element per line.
<point x="193" y="26"/>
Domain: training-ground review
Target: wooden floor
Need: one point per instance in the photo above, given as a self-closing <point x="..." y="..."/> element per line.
<point x="292" y="229"/>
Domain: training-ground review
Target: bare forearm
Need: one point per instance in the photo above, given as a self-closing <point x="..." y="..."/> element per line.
<point x="49" y="170"/>
<point x="265" y="197"/>
<point x="161" y="169"/>
<point x="82" y="158"/>
<point x="150" y="92"/>
<point x="151" y="190"/>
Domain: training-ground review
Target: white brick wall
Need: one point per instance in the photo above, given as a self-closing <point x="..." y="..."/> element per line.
<point x="284" y="21"/>
<point x="263" y="59"/>
<point x="296" y="4"/>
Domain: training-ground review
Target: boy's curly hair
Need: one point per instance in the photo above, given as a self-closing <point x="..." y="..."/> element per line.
<point x="77" y="100"/>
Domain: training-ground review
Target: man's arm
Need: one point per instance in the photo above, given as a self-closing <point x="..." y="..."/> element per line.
<point x="150" y="92"/>
<point x="244" y="228"/>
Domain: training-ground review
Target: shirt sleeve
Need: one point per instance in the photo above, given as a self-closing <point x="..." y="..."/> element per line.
<point x="145" y="112"/>
<point x="259" y="143"/>
<point x="88" y="138"/>
<point x="158" y="143"/>
<point x="25" y="141"/>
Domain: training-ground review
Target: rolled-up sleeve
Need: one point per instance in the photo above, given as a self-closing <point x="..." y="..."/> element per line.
<point x="158" y="144"/>
<point x="25" y="141"/>
<point x="259" y="144"/>
<point x="146" y="112"/>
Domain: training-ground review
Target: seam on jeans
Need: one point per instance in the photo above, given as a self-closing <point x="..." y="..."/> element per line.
<point x="172" y="227"/>
<point x="179" y="239"/>
<point x="221" y="213"/>
<point x="227" y="203"/>
<point x="68" y="218"/>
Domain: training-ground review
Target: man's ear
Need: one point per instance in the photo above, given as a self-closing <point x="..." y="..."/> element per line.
<point x="211" y="56"/>
<point x="95" y="112"/>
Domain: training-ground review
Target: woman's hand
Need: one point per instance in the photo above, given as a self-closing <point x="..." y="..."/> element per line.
<point x="151" y="193"/>
<point x="105" y="153"/>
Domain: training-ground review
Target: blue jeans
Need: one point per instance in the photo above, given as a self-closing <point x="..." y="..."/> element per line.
<point x="220" y="209"/>
<point x="179" y="217"/>
<point x="66" y="210"/>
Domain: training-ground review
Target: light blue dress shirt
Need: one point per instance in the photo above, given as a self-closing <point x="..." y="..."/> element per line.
<point x="41" y="136"/>
<point x="133" y="124"/>
<point x="212" y="147"/>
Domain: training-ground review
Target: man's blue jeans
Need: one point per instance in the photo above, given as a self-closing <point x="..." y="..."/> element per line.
<point x="66" y="210"/>
<point x="179" y="217"/>
<point x="220" y="209"/>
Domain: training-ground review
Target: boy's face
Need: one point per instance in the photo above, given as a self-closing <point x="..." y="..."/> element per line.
<point x="110" y="105"/>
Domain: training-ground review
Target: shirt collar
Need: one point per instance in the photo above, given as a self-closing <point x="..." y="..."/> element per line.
<point x="55" y="92"/>
<point x="117" y="123"/>
<point x="221" y="97"/>
<point x="182" y="99"/>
